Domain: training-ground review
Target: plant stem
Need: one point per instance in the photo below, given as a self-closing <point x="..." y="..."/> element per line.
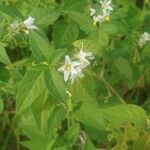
<point x="102" y="79"/>
<point x="9" y="135"/>
<point x="18" y="140"/>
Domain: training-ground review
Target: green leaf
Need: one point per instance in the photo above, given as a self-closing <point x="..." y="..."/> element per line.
<point x="90" y="115"/>
<point x="122" y="27"/>
<point x="146" y="50"/>
<point x="40" y="109"/>
<point x="64" y="34"/>
<point x="96" y="134"/>
<point x="29" y="125"/>
<point x="55" y="120"/>
<point x="128" y="133"/>
<point x="80" y="93"/>
<point x="31" y="87"/>
<point x="39" y="143"/>
<point x="4" y="73"/>
<point x="45" y="17"/>
<point x="103" y="39"/>
<point x="1" y="105"/>
<point x="120" y="114"/>
<point x="84" y="22"/>
<point x="125" y="4"/>
<point x="110" y="29"/>
<point x="74" y="5"/>
<point x="123" y="67"/>
<point x="88" y="145"/>
<point x="56" y="56"/>
<point x="142" y="143"/>
<point x="55" y="85"/>
<point x="11" y="11"/>
<point x="39" y="45"/>
<point x="3" y="55"/>
<point x="96" y="43"/>
<point x="136" y="21"/>
<point x="72" y="134"/>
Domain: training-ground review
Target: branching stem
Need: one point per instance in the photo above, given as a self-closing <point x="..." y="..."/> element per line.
<point x="102" y="79"/>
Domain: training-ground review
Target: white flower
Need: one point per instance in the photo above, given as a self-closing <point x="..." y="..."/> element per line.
<point x="92" y="12"/>
<point x="106" y="6"/>
<point x="71" y="69"/>
<point x="104" y="16"/>
<point x="29" y="24"/>
<point x="84" y="58"/>
<point x="78" y="73"/>
<point x="99" y="18"/>
<point x="144" y="38"/>
<point x="24" y="26"/>
<point x="15" y="27"/>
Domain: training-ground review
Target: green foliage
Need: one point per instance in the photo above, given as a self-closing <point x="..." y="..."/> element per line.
<point x="30" y="88"/>
<point x="1" y="105"/>
<point x="39" y="47"/>
<point x="123" y="67"/>
<point x="106" y="104"/>
<point x="3" y="55"/>
<point x="11" y="11"/>
<point x="55" y="85"/>
<point x="64" y="34"/>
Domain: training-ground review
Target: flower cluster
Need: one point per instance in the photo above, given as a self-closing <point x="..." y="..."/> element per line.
<point x="145" y="37"/>
<point x="104" y="16"/>
<point x="73" y="68"/>
<point x="24" y="26"/>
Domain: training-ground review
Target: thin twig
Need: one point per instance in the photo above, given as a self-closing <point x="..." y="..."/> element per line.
<point x="101" y="78"/>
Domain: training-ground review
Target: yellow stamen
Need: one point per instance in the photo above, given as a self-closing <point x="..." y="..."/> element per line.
<point x="107" y="18"/>
<point x="69" y="94"/>
<point x="94" y="23"/>
<point x="67" y="67"/>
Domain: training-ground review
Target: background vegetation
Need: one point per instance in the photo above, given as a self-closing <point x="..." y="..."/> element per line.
<point x="109" y="108"/>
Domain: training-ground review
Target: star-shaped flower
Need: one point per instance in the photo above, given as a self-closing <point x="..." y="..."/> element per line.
<point x="104" y="15"/>
<point x="71" y="69"/>
<point x="106" y="6"/>
<point x="144" y="38"/>
<point x="29" y="24"/>
<point x="92" y="11"/>
<point x="98" y="19"/>
<point x="84" y="58"/>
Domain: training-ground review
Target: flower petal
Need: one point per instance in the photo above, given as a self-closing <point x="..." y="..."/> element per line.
<point x="61" y="69"/>
<point x="66" y="75"/>
<point x="67" y="59"/>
